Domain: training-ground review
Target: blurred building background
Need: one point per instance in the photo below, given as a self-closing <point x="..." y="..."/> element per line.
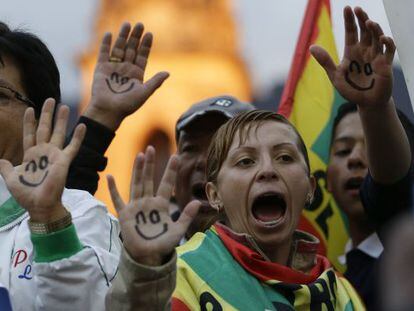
<point x="196" y="41"/>
<point x="210" y="47"/>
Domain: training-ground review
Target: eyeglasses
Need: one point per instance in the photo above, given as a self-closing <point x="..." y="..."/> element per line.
<point x="7" y="94"/>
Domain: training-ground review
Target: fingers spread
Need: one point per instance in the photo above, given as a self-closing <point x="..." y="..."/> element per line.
<point x="376" y="33"/>
<point x="143" y="52"/>
<point x="59" y="132"/>
<point x="133" y="42"/>
<point x="324" y="59"/>
<point x="115" y="197"/>
<point x="365" y="34"/>
<point x="29" y="129"/>
<point x="168" y="179"/>
<point x="137" y="187"/>
<point x="45" y="121"/>
<point x="148" y="171"/>
<point x="105" y="48"/>
<point x="351" y="31"/>
<point x="72" y="149"/>
<point x="118" y="50"/>
<point x="389" y="48"/>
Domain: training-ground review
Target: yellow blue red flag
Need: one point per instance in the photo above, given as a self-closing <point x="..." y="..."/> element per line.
<point x="310" y="102"/>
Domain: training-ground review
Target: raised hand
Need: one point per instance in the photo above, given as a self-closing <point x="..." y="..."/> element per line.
<point x="364" y="75"/>
<point x="148" y="231"/>
<point x="118" y="87"/>
<point x="37" y="184"/>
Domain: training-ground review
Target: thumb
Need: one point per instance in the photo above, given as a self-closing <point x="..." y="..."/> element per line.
<point x="188" y="215"/>
<point x="155" y="82"/>
<point x="115" y="197"/>
<point x="6" y="169"/>
<point x="324" y="59"/>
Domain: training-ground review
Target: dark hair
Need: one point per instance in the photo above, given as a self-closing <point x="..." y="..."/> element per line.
<point x="343" y="110"/>
<point x="243" y="123"/>
<point x="38" y="69"/>
<point x="347" y="108"/>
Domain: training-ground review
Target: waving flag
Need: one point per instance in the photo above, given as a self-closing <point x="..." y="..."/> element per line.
<point x="310" y="102"/>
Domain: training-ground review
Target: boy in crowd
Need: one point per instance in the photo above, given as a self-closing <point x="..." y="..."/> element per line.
<point x="367" y="134"/>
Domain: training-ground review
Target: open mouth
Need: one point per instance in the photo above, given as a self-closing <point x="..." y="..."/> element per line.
<point x="269" y="208"/>
<point x="354" y="183"/>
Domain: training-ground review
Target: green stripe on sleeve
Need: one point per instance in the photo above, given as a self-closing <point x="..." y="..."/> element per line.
<point x="57" y="245"/>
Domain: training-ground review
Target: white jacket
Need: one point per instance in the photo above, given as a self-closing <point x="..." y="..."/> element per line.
<point x="79" y="282"/>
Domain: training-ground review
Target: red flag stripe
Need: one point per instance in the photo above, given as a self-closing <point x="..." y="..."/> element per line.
<point x="307" y="36"/>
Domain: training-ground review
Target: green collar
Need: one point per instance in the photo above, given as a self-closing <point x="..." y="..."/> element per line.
<point x="10" y="211"/>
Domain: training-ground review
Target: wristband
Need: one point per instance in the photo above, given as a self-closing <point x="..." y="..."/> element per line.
<point x="46" y="228"/>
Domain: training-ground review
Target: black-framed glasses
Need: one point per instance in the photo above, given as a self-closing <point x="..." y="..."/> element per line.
<point x="7" y="93"/>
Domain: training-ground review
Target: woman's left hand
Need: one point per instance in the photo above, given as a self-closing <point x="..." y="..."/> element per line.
<point x="149" y="233"/>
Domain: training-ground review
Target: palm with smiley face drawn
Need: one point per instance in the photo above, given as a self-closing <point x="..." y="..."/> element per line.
<point x="364" y="75"/>
<point x="118" y="87"/>
<point x="37" y="184"/>
<point x="149" y="233"/>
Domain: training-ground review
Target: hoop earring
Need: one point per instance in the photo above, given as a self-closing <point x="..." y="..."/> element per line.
<point x="309" y="201"/>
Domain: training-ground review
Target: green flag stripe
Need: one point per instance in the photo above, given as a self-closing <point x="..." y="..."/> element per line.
<point x="323" y="142"/>
<point x="240" y="286"/>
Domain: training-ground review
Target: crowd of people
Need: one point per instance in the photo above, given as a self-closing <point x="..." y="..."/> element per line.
<point x="240" y="180"/>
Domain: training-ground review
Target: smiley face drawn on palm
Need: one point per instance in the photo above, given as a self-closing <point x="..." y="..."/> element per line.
<point x="364" y="76"/>
<point x="149" y="226"/>
<point x="357" y="77"/>
<point x="35" y="172"/>
<point x="38" y="183"/>
<point x="146" y="224"/>
<point x="119" y="84"/>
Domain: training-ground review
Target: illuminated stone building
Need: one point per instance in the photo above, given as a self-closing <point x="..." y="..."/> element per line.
<point x="194" y="40"/>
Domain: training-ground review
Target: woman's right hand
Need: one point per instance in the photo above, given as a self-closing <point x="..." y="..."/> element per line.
<point x="148" y="231"/>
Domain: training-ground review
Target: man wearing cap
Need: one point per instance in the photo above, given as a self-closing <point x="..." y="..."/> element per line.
<point x="194" y="131"/>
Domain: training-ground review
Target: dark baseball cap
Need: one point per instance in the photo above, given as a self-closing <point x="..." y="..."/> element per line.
<point x="227" y="106"/>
